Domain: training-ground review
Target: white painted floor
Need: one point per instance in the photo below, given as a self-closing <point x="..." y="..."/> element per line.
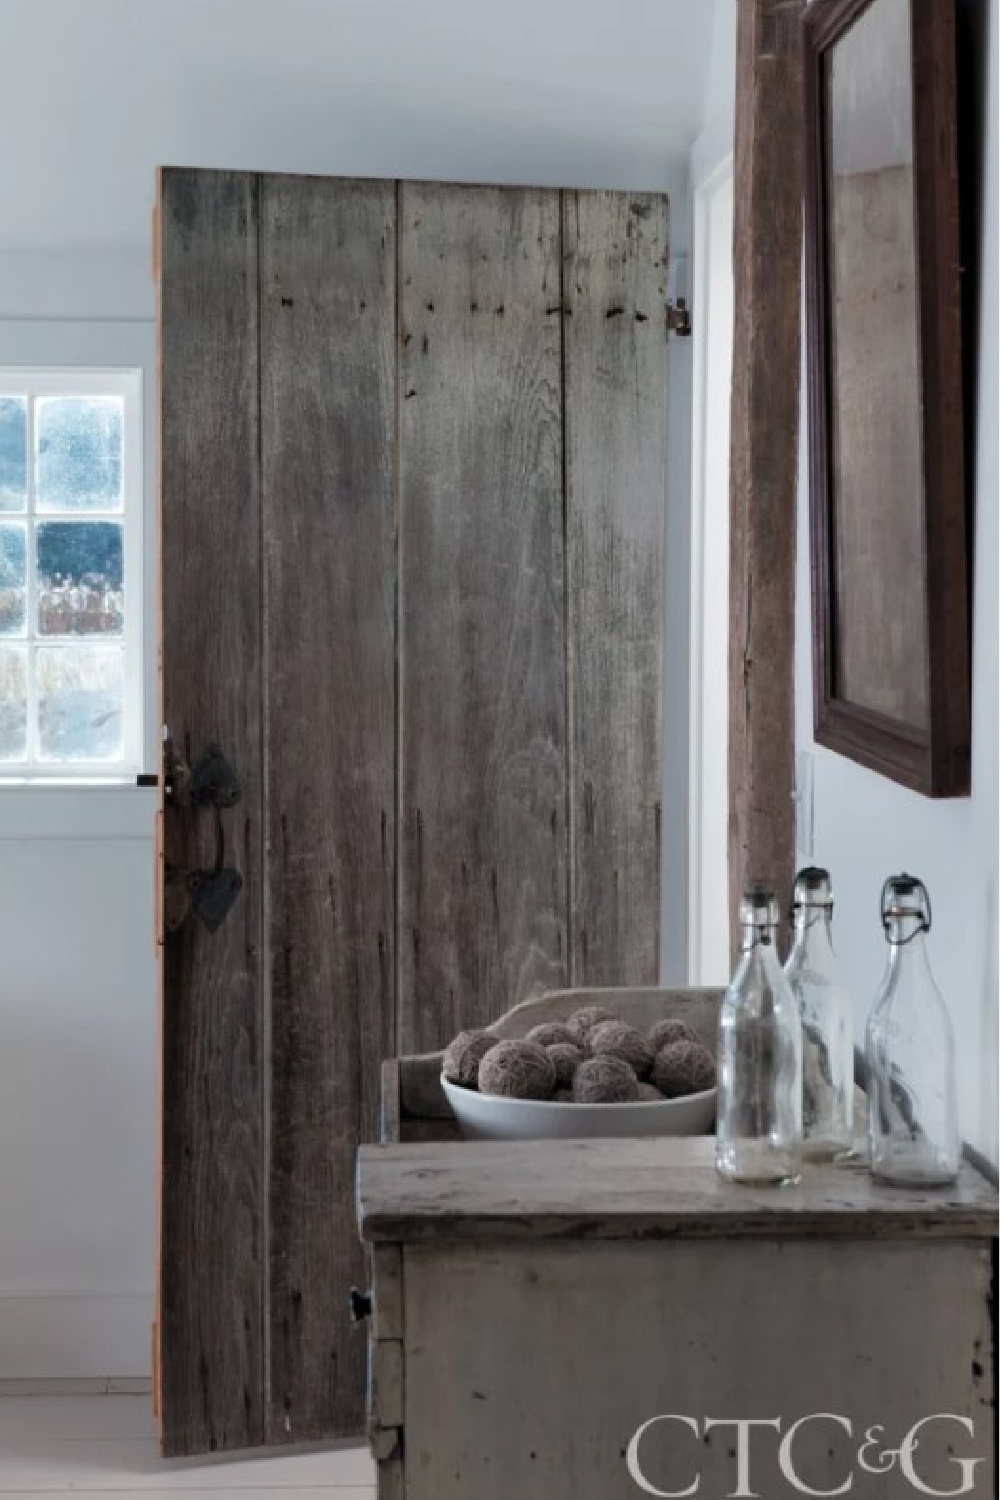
<point x="53" y="1447"/>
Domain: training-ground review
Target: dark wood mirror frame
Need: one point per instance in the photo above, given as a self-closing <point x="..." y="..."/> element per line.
<point x="933" y="756"/>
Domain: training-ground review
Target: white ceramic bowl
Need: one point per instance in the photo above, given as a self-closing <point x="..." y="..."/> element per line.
<point x="485" y="1117"/>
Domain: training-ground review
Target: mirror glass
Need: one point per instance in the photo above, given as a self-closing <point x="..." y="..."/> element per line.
<point x="879" y="571"/>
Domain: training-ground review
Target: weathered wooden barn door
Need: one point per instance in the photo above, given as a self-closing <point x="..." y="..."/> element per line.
<point x="413" y="478"/>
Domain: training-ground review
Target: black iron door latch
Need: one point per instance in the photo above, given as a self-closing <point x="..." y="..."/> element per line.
<point x="211" y="784"/>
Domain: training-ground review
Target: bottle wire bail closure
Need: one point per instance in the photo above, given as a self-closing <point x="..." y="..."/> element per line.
<point x="812" y="893"/>
<point x="919" y="905"/>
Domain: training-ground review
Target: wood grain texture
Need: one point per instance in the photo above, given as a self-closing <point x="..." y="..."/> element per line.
<point x="559" y="1352"/>
<point x="949" y="512"/>
<point x="387" y="1293"/>
<point x="385" y="1391"/>
<point x="615" y="250"/>
<point x="764" y="448"/>
<point x="605" y="1189"/>
<point x="327" y="276"/>
<point x="211" y="1323"/>
<point x="389" y="1121"/>
<point x="482" y="880"/>
<point x="318" y="366"/>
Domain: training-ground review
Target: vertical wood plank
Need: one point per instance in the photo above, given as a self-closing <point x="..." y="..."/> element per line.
<point x="482" y="891"/>
<point x="211" y="1348"/>
<point x="387" y="1292"/>
<point x="614" y="277"/>
<point x="389" y="1120"/>
<point x="328" y="437"/>
<point x="764" y="447"/>
<point x="385" y="1396"/>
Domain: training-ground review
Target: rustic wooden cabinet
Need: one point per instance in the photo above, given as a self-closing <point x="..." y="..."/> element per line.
<point x="534" y="1304"/>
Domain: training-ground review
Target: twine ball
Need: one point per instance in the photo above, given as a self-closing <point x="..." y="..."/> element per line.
<point x="683" y="1068"/>
<point x="582" y="1022"/>
<point x="605" y="1080"/>
<point x="616" y="1039"/>
<point x="517" y="1070"/>
<point x="649" y="1094"/>
<point x="550" y="1034"/>
<point x="463" y="1056"/>
<point x="664" y="1032"/>
<point x="566" y="1058"/>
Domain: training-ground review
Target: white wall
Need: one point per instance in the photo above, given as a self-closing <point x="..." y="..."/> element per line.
<point x="77" y="978"/>
<point x="77" y="1062"/>
<point x="714" y="142"/>
<point x="595" y="93"/>
<point x="46" y="283"/>
<point x="866" y="827"/>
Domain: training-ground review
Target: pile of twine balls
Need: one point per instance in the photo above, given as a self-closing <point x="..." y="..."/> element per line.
<point x="590" y="1058"/>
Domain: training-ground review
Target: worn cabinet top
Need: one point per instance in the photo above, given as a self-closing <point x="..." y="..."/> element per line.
<point x="647" y="1189"/>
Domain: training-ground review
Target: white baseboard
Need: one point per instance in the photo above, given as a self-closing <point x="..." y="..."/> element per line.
<point x="51" y="1336"/>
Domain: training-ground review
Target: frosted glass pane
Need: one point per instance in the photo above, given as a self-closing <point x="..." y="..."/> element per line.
<point x="13" y="452"/>
<point x="78" y="447"/>
<point x="80" y="578"/>
<point x="12" y="579"/>
<point x="13" y="704"/>
<point x="80" y="695"/>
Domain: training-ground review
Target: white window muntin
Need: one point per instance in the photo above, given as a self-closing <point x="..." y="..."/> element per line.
<point x="126" y="384"/>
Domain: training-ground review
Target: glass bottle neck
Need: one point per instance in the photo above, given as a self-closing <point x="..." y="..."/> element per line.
<point x="760" y="939"/>
<point x="905" y="936"/>
<point x="811" y="929"/>
<point x="904" y="927"/>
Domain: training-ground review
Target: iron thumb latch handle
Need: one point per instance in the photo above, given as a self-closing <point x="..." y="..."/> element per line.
<point x="211" y="783"/>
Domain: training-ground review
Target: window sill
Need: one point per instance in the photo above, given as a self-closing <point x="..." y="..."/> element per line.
<point x="77" y="809"/>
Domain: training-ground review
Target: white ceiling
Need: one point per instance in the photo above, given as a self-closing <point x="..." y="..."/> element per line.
<point x="94" y="94"/>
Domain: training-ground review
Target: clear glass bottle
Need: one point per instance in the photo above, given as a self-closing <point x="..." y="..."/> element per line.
<point x="912" y="1104"/>
<point x="827" y="1024"/>
<point x="759" y="1125"/>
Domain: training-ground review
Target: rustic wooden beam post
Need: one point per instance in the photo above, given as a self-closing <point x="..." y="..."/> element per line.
<point x="767" y="254"/>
